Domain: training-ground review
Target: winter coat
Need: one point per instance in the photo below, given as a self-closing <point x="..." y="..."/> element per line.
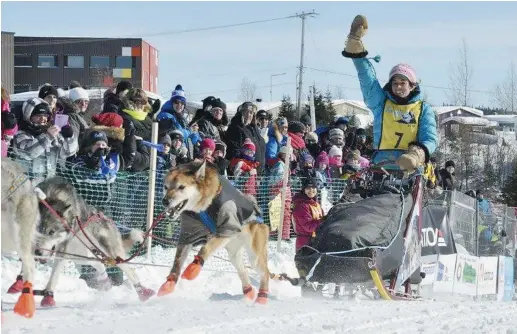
<point x="178" y="123"/>
<point x="137" y="154"/>
<point x="112" y="103"/>
<point x="273" y="146"/>
<point x="307" y="216"/>
<point x="245" y="182"/>
<point x="42" y="152"/>
<point x="446" y="180"/>
<point x="236" y="135"/>
<point x="210" y="127"/>
<point x="75" y="118"/>
<point x="375" y="98"/>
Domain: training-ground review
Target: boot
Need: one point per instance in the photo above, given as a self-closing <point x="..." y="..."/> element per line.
<point x="412" y="159"/>
<point x="354" y="47"/>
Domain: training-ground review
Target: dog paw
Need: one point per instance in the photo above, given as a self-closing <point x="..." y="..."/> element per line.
<point x="167" y="288"/>
<point x="262" y="297"/>
<point x="144" y="294"/>
<point x="17" y="286"/>
<point x="192" y="271"/>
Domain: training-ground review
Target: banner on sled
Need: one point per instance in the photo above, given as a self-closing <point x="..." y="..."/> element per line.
<point x="487" y="277"/>
<point x="444" y="274"/>
<point x="466" y="275"/>
<point x="429" y="269"/>
<point x="326" y="205"/>
<point x="412" y="252"/>
<point x="436" y="236"/>
<point x="505" y="279"/>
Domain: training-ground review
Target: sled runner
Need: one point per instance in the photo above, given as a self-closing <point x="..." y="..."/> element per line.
<point x="373" y="242"/>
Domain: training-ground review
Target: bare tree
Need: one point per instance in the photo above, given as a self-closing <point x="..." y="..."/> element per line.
<point x="461" y="78"/>
<point x="248" y="90"/>
<point x="339" y="92"/>
<point x="505" y="94"/>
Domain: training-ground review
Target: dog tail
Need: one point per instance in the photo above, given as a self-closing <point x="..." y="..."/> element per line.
<point x="132" y="238"/>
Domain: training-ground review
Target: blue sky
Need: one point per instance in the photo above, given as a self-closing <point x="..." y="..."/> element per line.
<point x="426" y="35"/>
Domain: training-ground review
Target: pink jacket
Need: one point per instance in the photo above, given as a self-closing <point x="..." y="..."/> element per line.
<point x="307" y="215"/>
<point x="6" y="132"/>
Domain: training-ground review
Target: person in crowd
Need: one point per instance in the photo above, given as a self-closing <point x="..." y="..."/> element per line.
<point x="41" y="143"/>
<point x="447" y="176"/>
<point x="307" y="212"/>
<point x="404" y="126"/>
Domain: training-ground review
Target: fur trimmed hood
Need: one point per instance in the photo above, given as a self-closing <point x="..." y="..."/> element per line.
<point x="111" y="132"/>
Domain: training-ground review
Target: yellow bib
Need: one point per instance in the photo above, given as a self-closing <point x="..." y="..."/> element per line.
<point x="399" y="125"/>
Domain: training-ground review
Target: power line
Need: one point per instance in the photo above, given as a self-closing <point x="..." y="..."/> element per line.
<point x="428" y="86"/>
<point x="163" y="33"/>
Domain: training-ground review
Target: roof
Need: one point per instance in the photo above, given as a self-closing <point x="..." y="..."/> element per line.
<point x="444" y="110"/>
<point x="502" y="118"/>
<point x="467" y="121"/>
<point x="354" y="103"/>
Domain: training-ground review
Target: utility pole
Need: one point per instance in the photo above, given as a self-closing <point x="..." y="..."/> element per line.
<point x="303" y="15"/>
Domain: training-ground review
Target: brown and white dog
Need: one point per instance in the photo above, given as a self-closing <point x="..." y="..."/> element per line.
<point x="214" y="213"/>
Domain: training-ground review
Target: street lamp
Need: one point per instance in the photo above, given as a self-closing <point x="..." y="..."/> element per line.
<point x="271" y="86"/>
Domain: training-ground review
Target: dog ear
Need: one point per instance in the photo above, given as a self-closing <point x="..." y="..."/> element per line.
<point x="200" y="173"/>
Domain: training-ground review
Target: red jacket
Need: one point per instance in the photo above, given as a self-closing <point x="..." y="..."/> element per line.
<point x="307" y="215"/>
<point x="245" y="166"/>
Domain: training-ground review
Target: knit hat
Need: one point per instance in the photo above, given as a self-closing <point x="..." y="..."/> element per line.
<point x="405" y="70"/>
<point x="306" y="119"/>
<point x="450" y="163"/>
<point x="35" y="106"/>
<point x="46" y="91"/>
<point x="360" y="132"/>
<point x="284" y="150"/>
<point x="217" y="103"/>
<point x="207" y="101"/>
<point x="311" y="182"/>
<point x="177" y="134"/>
<point x="334" y="150"/>
<point x="354" y="121"/>
<point x="95" y="136"/>
<point x="322" y="158"/>
<point x="341" y="120"/>
<point x="311" y="136"/>
<point x="220" y="146"/>
<point x="122" y="86"/>
<point x="263" y="114"/>
<point x="281" y="121"/>
<point x="353" y="155"/>
<point x="336" y="133"/>
<point x="179" y="94"/>
<point x="306" y="158"/>
<point x="78" y="94"/>
<point x="207" y="143"/>
<point x="248" y="145"/>
<point x="296" y="127"/>
<point x="165" y="140"/>
<point x="109" y="119"/>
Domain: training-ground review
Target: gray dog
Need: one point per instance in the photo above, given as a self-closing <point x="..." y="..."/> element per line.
<point x="61" y="233"/>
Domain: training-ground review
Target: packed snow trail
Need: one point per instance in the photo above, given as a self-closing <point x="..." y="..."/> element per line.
<point x="213" y="304"/>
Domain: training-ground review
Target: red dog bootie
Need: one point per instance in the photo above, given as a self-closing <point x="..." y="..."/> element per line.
<point x="17" y="286"/>
<point x="262" y="297"/>
<point x="168" y="286"/>
<point x="25" y="306"/>
<point x="193" y="269"/>
<point x="249" y="292"/>
<point x="48" y="299"/>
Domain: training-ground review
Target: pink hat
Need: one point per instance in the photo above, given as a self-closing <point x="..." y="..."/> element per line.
<point x="207" y="143"/>
<point x="404" y="70"/>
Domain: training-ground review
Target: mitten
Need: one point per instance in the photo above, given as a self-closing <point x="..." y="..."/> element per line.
<point x="8" y="120"/>
<point x="354" y="47"/>
<point x="67" y="132"/>
<point x="412" y="159"/>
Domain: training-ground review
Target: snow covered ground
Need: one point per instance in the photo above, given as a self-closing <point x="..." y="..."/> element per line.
<point x="212" y="304"/>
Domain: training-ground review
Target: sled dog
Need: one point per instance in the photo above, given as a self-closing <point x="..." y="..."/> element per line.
<point x="214" y="213"/>
<point x="63" y="234"/>
<point x="20" y="219"/>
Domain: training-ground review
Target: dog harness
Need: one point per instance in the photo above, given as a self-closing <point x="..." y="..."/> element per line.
<point x="227" y="192"/>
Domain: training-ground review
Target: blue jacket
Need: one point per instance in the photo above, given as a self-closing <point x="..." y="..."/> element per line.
<point x="484" y="206"/>
<point x="167" y="112"/>
<point x="272" y="147"/>
<point x="375" y="97"/>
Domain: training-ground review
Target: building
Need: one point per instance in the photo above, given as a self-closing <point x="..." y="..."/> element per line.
<point x="8" y="61"/>
<point x="94" y="62"/>
<point x="503" y="122"/>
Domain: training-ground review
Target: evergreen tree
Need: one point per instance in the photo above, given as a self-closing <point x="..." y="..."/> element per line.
<point x="287" y="109"/>
<point x="510" y="188"/>
<point x="330" y="116"/>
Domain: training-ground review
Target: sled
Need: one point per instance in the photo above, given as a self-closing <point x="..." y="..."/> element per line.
<point x="372" y="244"/>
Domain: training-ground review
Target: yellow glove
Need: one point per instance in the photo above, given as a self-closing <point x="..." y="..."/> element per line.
<point x="412" y="159"/>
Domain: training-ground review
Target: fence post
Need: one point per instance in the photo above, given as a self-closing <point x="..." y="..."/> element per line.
<point x="505" y="224"/>
<point x="476" y="227"/>
<point x="152" y="185"/>
<point x="282" y="193"/>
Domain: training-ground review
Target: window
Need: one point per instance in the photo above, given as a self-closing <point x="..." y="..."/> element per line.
<point x="20" y="88"/>
<point x="99" y="62"/>
<point x="125" y="62"/>
<point x="47" y="61"/>
<point x="23" y="60"/>
<point x="74" y="61"/>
